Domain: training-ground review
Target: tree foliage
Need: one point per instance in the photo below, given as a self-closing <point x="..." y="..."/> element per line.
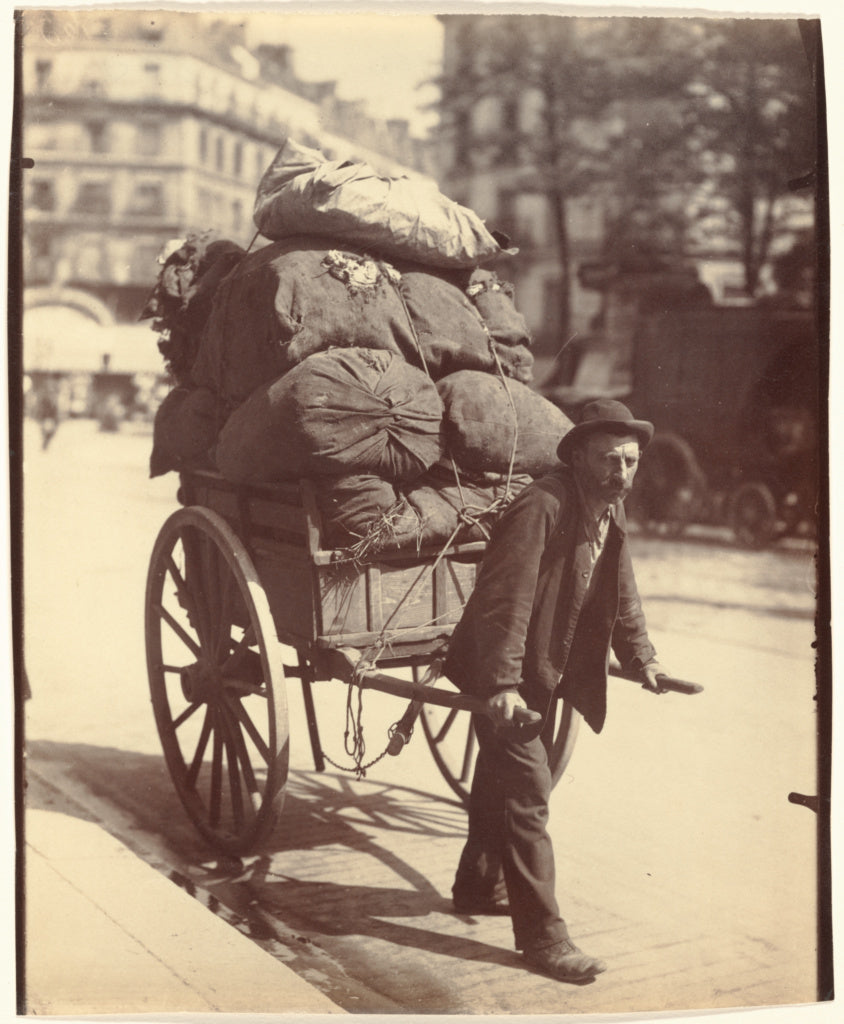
<point x="751" y="107"/>
<point x="677" y="123"/>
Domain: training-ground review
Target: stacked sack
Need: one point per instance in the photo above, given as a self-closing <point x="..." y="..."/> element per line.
<point x="368" y="347"/>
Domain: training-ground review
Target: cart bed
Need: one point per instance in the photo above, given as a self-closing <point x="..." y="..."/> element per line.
<point x="404" y="603"/>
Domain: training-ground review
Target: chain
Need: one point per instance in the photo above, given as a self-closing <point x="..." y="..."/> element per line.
<point x="353" y="739"/>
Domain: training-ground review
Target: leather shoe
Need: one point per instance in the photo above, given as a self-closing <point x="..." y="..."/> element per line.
<point x="477" y="907"/>
<point x="564" y="961"/>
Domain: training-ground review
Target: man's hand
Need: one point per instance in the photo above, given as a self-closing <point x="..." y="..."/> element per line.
<point x="502" y="705"/>
<point x="649" y="673"/>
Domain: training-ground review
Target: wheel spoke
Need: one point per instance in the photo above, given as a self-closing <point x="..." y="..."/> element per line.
<point x="179" y="630"/>
<point x="242" y="716"/>
<point x="211" y="559"/>
<point x="242" y="754"/>
<point x="199" y="753"/>
<point x="446" y="726"/>
<point x="192" y="546"/>
<point x="468" y="755"/>
<point x="234" y="780"/>
<point x="185" y="596"/>
<point x="186" y="714"/>
<point x="216" y="778"/>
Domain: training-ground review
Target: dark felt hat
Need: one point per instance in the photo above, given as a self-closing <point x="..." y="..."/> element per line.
<point x="605" y="416"/>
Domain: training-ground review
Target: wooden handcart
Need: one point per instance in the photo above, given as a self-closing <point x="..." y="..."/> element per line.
<point x="242" y="595"/>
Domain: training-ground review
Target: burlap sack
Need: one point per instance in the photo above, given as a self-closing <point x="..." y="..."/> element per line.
<point x="289" y="300"/>
<point x="470" y="509"/>
<point x="494" y="301"/>
<point x="479" y="424"/>
<point x="184" y="431"/>
<point x="447" y="327"/>
<point x="342" y="412"/>
<point x="303" y="193"/>
<point x="366" y="511"/>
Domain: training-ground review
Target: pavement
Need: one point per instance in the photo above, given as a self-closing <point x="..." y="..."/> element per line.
<point x="96" y="909"/>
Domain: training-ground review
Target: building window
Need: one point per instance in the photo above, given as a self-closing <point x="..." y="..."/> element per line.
<point x="219" y="153"/>
<point x="148" y="139"/>
<point x="93" y="197"/>
<point x="98" y="139"/>
<point x="43" y="195"/>
<point x="260" y="164"/>
<point x="147" y="198"/>
<point x="43" y="73"/>
<point x="203" y="145"/>
<point x="237" y="158"/>
<point x="40" y="266"/>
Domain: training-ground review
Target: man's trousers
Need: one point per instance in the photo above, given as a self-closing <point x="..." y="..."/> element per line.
<point x="508" y="841"/>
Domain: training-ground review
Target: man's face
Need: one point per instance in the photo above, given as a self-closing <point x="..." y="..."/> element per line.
<point x="606" y="464"/>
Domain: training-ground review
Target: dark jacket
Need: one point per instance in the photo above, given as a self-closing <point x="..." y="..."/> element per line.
<point x="528" y="622"/>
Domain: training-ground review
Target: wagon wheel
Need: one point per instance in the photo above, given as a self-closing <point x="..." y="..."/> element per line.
<point x="216" y="680"/>
<point x="451" y="738"/>
<point x="753" y="515"/>
<point x="669" y="487"/>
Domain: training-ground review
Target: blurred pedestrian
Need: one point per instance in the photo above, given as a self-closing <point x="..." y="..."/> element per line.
<point x="47" y="414"/>
<point x="555" y="593"/>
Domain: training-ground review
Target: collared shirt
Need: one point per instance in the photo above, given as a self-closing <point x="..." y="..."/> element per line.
<point x="595" y="524"/>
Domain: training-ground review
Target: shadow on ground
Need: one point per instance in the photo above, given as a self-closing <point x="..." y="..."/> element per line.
<point x="309" y="922"/>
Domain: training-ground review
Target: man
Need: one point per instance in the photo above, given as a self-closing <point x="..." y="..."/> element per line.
<point x="555" y="592"/>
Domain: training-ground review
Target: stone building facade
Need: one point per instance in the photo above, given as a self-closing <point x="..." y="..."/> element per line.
<point x="142" y="126"/>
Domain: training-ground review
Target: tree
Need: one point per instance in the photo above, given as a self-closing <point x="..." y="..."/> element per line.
<point x="751" y="114"/>
<point x="558" y="70"/>
<point x="677" y="123"/>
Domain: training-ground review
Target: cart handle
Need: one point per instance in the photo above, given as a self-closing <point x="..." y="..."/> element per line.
<point x="665" y="681"/>
<point x="345" y="664"/>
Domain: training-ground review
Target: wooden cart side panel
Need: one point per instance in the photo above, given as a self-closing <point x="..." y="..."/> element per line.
<point x="393" y="597"/>
<point x="287" y="576"/>
<point x="411" y="598"/>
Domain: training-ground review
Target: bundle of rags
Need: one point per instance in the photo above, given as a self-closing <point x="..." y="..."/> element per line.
<point x="180" y="303"/>
<point x="291" y="299"/>
<point x="188" y="420"/>
<point x="340" y="412"/>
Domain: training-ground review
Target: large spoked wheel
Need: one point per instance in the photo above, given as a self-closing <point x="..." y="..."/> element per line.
<point x="454" y="747"/>
<point x="216" y="680"/>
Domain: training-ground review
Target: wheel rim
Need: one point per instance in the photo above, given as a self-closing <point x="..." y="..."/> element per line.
<point x="454" y="746"/>
<point x="216" y="680"/>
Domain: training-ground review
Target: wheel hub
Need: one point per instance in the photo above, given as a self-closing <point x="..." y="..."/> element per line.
<point x="199" y="681"/>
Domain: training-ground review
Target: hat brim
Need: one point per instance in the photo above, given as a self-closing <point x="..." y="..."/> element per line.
<point x="640" y="429"/>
